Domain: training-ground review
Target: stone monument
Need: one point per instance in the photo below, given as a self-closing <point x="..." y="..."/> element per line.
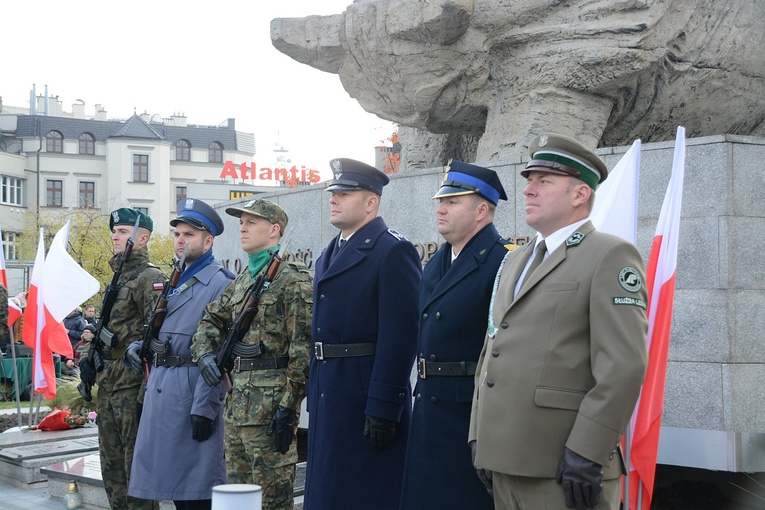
<point x="478" y="79"/>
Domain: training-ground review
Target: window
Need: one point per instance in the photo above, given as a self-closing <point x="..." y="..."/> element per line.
<point x="180" y="193"/>
<point x="55" y="193"/>
<point x="87" y="144"/>
<point x="87" y="194"/>
<point x="215" y="153"/>
<point x="11" y="245"/>
<point x="55" y="142"/>
<point x="140" y="168"/>
<point x="183" y="151"/>
<point x="144" y="210"/>
<point x="13" y="191"/>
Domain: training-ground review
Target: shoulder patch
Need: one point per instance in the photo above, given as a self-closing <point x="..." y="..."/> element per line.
<point x="574" y="239"/>
<point x="629" y="279"/>
<point x="158" y="286"/>
<point x="395" y="234"/>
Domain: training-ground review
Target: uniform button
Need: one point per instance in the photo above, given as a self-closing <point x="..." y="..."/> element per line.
<point x="401" y="395"/>
<point x="504" y="325"/>
<point x="322" y="395"/>
<point x="159" y="390"/>
<point x="321" y="297"/>
<point x="323" y="362"/>
<point x="318" y="330"/>
<point x="418" y="397"/>
<point x="495" y="353"/>
<point x="424" y="316"/>
<point x="438" y="315"/>
<point x="434" y="400"/>
<point x="490" y="383"/>
<point x="432" y="357"/>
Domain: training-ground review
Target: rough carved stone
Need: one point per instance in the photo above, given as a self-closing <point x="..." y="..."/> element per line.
<point x="500" y="71"/>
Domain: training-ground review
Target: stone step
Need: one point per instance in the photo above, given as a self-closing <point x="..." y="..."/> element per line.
<point x="86" y="471"/>
<point x="24" y="454"/>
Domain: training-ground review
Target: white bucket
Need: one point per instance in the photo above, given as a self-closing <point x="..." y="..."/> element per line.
<point x="237" y="496"/>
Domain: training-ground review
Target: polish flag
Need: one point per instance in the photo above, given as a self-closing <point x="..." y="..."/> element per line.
<point x="660" y="275"/>
<point x="616" y="203"/>
<point x="58" y="285"/>
<point x="14" y="312"/>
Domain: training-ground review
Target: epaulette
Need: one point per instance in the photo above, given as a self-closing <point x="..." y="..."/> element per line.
<point x="395" y="234"/>
<point x="509" y="246"/>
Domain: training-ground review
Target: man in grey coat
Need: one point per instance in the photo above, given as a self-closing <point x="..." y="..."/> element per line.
<point x="179" y="450"/>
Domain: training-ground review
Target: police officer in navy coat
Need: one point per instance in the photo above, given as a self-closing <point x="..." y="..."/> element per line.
<point x="454" y="306"/>
<point x="364" y="339"/>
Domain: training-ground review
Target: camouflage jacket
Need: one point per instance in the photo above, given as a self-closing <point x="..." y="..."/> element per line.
<point x="132" y="309"/>
<point x="283" y="324"/>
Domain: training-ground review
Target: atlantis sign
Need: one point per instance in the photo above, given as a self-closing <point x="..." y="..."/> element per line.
<point x="250" y="172"/>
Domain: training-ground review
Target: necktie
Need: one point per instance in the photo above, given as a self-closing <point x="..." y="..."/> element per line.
<point x="538" y="258"/>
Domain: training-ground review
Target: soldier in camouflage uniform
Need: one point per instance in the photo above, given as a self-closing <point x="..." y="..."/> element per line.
<point x="118" y="385"/>
<point x="261" y="413"/>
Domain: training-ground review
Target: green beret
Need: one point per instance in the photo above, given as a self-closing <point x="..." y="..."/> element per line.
<point x="558" y="154"/>
<point x="127" y="216"/>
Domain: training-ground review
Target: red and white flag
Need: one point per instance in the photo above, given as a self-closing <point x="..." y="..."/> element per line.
<point x="57" y="285"/>
<point x="660" y="275"/>
<point x="14" y="312"/>
<point x="3" y="274"/>
<point x="616" y="202"/>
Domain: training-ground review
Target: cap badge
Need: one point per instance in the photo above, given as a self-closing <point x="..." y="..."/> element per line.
<point x="543" y="139"/>
<point x="116" y="216"/>
<point x="189" y="204"/>
<point x="337" y="168"/>
<point x="629" y="279"/>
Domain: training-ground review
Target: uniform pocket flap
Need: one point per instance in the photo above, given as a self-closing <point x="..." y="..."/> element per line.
<point x="558" y="398"/>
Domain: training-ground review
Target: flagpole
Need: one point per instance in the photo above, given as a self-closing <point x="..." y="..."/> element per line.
<point x="626" y="491"/>
<point x="15" y="376"/>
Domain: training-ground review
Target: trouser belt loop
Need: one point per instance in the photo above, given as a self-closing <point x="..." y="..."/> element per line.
<point x="245" y="364"/>
<point x="163" y="360"/>
<point x="427" y="369"/>
<point x="323" y="351"/>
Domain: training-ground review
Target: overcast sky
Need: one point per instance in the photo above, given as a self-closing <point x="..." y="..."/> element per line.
<point x="208" y="60"/>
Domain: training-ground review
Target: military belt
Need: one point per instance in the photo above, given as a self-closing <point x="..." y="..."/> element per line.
<point x="245" y="364"/>
<point x="163" y="360"/>
<point x="427" y="369"/>
<point x="323" y="351"/>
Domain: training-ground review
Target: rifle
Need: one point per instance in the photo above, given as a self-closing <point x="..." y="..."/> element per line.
<point x="159" y="313"/>
<point x="94" y="362"/>
<point x="225" y="355"/>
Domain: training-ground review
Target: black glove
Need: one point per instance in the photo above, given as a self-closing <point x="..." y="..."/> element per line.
<point x="380" y="432"/>
<point x="483" y="474"/>
<point x="283" y="423"/>
<point x="582" y="480"/>
<point x="201" y="428"/>
<point x="132" y="358"/>
<point x="209" y="369"/>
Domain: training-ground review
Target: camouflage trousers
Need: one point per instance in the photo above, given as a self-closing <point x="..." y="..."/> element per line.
<point x="117" y="430"/>
<point x="251" y="458"/>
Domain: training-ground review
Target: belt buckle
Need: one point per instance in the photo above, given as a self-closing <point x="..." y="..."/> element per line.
<point x="421" y="368"/>
<point x="237" y="364"/>
<point x="318" y="351"/>
<point x="154" y="362"/>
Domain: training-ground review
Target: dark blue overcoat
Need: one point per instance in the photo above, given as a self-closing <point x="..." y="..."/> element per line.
<point x="367" y="293"/>
<point x="454" y="309"/>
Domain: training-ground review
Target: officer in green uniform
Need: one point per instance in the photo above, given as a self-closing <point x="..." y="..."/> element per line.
<point x="118" y="385"/>
<point x="261" y="414"/>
